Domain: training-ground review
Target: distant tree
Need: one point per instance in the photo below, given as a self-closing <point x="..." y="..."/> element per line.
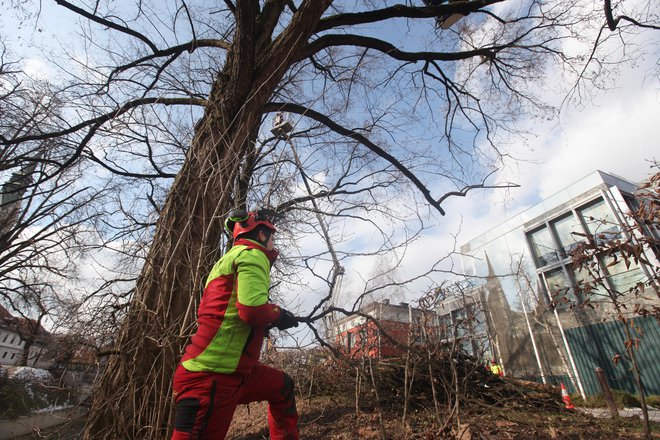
<point x="43" y="208"/>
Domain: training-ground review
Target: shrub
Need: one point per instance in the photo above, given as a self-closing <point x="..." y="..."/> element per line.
<point x="621" y="399"/>
<point x="653" y="401"/>
<point x="21" y="395"/>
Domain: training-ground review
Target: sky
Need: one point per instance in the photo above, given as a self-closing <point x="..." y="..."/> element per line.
<point x="616" y="131"/>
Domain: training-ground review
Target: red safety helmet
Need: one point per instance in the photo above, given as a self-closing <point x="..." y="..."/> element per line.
<point x="240" y="221"/>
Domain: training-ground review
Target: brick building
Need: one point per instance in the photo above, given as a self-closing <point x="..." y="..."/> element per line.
<point x="390" y="325"/>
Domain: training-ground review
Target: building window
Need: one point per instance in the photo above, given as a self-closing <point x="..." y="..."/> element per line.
<point x="623" y="276"/>
<point x="648" y="229"/>
<point x="13" y="355"/>
<point x="360" y="336"/>
<point x="4" y="355"/>
<point x="468" y="347"/>
<point x="543" y="246"/>
<point x="559" y="287"/>
<point x="566" y="228"/>
<point x="587" y="286"/>
<point x="5" y="338"/>
<point x="12" y="340"/>
<point x="600" y="221"/>
<point x="458" y="318"/>
<point x="444" y="323"/>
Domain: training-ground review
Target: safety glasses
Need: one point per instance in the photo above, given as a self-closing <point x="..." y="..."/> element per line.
<point x="238" y="215"/>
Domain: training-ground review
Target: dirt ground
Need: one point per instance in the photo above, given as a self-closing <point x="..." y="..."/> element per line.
<point x="332" y="419"/>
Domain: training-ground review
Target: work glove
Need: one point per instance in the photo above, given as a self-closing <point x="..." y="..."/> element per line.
<point x="287" y="320"/>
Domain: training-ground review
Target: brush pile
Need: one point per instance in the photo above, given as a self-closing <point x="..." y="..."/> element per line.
<point x="441" y="378"/>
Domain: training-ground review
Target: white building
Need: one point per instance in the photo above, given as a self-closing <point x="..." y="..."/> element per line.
<point x="12" y="344"/>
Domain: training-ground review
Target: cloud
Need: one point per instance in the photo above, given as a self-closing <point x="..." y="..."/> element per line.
<point x="38" y="69"/>
<point x="620" y="137"/>
<point x="617" y="132"/>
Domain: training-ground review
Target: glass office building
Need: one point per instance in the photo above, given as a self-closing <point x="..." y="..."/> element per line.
<point x="539" y="326"/>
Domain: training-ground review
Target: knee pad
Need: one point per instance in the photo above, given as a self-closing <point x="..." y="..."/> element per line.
<point x="186" y="414"/>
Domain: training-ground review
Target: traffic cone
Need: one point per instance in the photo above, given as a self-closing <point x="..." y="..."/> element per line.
<point x="566" y="398"/>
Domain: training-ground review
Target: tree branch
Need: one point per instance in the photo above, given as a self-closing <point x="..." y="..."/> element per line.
<point x="463" y="192"/>
<point x="107" y="117"/>
<point x="95" y="18"/>
<point x="613" y="23"/>
<point x="230" y="6"/>
<point x="313" y="114"/>
<point x="400" y="11"/>
<point x="389" y="49"/>
<point x="191" y="46"/>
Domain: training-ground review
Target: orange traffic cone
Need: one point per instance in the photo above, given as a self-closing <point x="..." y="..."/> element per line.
<point x="566" y="398"/>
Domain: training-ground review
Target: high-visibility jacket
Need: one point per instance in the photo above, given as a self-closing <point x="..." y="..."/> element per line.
<point x="234" y="312"/>
<point x="496" y="370"/>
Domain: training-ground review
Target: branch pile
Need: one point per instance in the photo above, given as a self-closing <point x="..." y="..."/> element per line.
<point x="460" y="379"/>
<point x="456" y="377"/>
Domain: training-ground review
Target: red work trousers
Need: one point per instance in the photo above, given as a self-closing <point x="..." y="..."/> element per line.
<point x="205" y="402"/>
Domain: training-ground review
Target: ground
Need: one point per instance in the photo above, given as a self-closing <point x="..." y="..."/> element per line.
<point x="333" y="419"/>
<point x="336" y="419"/>
<point x="488" y="407"/>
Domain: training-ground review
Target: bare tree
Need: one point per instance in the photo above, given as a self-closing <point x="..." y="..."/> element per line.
<point x="44" y="209"/>
<point x="177" y="109"/>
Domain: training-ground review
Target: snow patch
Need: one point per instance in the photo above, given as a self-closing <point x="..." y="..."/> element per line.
<point x="52" y="408"/>
<point x="29" y="374"/>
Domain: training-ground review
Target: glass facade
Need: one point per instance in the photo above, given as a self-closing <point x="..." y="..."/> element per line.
<point x="553" y="242"/>
<point x="587" y="286"/>
<point x="623" y="275"/>
<point x="559" y="287"/>
<point x="541" y="240"/>
<point x="568" y="230"/>
<point x="544" y="247"/>
<point x="600" y="221"/>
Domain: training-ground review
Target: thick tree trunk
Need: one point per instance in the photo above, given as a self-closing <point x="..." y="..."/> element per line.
<point x="134" y="400"/>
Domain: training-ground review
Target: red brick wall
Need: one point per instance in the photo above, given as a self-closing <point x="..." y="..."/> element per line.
<point x="366" y="339"/>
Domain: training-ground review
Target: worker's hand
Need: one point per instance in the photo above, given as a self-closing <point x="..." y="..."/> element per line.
<point x="287" y="320"/>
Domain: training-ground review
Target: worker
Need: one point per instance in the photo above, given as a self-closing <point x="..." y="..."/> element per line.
<point x="220" y="367"/>
<point x="495" y="368"/>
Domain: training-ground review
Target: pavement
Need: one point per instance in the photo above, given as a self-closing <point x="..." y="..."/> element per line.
<point x="654" y="414"/>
